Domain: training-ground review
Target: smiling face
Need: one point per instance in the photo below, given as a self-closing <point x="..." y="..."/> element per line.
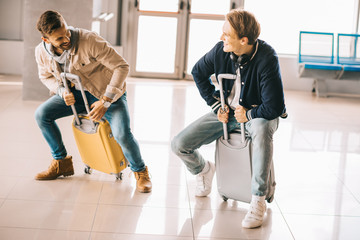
<point x="59" y="39"/>
<point x="231" y="41"/>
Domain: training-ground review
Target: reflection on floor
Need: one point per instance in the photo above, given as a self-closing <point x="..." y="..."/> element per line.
<point x="316" y="157"/>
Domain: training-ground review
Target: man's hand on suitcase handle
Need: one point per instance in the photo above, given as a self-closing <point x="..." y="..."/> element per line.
<point x="97" y="111"/>
<point x="223" y="114"/>
<point x="69" y="98"/>
<point x="240" y="114"/>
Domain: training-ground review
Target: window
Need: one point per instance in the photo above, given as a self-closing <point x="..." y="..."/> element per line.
<point x="282" y="20"/>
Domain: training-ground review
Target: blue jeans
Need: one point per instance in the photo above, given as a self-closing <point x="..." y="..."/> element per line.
<point x="208" y="128"/>
<point x="117" y="115"/>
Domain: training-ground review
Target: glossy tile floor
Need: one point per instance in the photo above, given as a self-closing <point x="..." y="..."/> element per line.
<point x="316" y="157"/>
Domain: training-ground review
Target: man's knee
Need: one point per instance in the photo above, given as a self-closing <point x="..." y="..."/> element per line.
<point x="40" y="115"/>
<point x="262" y="127"/>
<point x="178" y="146"/>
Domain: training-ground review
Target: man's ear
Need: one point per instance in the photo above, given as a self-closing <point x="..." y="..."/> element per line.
<point x="45" y="39"/>
<point x="244" y="41"/>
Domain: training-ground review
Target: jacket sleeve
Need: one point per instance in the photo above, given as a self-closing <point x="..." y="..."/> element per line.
<point x="271" y="91"/>
<point x="201" y="73"/>
<point x="103" y="52"/>
<point x="45" y="76"/>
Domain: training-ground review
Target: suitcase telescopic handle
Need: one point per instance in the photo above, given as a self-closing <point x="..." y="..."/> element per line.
<point x="222" y="98"/>
<point x="76" y="78"/>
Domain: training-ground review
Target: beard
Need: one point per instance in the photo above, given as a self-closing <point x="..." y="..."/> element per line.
<point x="65" y="46"/>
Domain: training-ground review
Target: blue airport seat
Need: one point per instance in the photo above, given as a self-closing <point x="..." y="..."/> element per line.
<point x="316" y="60"/>
<point x="347" y="55"/>
<point x="316" y="47"/>
<point x="351" y="68"/>
<point x="348" y="46"/>
<point x="320" y="70"/>
<point x="350" y="72"/>
<point x="323" y="66"/>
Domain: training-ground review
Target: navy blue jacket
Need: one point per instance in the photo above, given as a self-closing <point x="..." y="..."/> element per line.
<point x="262" y="89"/>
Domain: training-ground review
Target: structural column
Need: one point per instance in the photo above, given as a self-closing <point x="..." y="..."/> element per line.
<point x="76" y="13"/>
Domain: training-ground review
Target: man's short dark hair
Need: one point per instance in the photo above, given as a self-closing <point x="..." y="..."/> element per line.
<point x="48" y="22"/>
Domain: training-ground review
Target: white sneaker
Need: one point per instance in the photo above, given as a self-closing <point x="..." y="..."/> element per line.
<point x="255" y="216"/>
<point x="204" y="180"/>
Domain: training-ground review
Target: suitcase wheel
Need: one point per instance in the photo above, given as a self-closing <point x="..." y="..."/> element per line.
<point x="224" y="198"/>
<point x="87" y="170"/>
<point x="119" y="176"/>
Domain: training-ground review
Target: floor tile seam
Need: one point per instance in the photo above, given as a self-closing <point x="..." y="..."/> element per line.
<point x="141" y="206"/>
<point x="225" y="238"/>
<point x="283" y="216"/>
<point x="316" y="194"/>
<point x="222" y="210"/>
<point x="306" y="139"/>
<point x="142" y="234"/>
<point x="168" y="184"/>
<point x="56" y="228"/>
<point x="12" y="101"/>
<point x="322" y="215"/>
<point x="343" y="183"/>
<point x="85" y="180"/>
<point x="10" y="191"/>
<point x="96" y="211"/>
<point x="45" y="229"/>
<point x="50" y="201"/>
<point x="139" y="234"/>
<point x="11" y="176"/>
<point x="189" y="202"/>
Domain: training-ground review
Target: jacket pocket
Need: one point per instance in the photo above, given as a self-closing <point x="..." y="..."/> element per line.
<point x="87" y="66"/>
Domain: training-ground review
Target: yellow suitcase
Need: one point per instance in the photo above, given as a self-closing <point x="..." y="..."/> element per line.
<point x="97" y="146"/>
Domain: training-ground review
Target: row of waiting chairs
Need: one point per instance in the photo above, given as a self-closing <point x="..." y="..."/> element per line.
<point x="317" y="59"/>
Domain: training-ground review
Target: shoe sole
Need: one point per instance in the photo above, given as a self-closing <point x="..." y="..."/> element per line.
<point x="53" y="178"/>
<point x="144" y="190"/>
<point x="250" y="227"/>
<point x="68" y="174"/>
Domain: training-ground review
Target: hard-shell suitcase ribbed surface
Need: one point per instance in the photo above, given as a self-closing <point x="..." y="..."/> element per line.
<point x="233" y="161"/>
<point x="97" y="146"/>
<point x="233" y="167"/>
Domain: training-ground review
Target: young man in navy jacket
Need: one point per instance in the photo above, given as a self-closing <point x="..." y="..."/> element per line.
<point x="256" y="100"/>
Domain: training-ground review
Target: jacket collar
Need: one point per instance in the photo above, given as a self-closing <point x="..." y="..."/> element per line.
<point x="74" y="40"/>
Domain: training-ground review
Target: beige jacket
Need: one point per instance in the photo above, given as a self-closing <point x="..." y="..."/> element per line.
<point x="99" y="66"/>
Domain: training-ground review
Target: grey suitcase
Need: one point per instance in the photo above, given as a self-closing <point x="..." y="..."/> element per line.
<point x="234" y="163"/>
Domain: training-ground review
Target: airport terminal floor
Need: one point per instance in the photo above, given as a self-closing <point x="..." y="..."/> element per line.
<point x="316" y="159"/>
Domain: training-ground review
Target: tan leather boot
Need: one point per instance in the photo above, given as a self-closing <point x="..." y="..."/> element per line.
<point x="57" y="168"/>
<point x="143" y="183"/>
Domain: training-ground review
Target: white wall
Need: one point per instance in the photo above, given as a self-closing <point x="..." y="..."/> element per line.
<point x="289" y="74"/>
<point x="12" y="57"/>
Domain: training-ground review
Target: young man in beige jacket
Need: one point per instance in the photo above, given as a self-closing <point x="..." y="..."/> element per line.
<point x="103" y="72"/>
